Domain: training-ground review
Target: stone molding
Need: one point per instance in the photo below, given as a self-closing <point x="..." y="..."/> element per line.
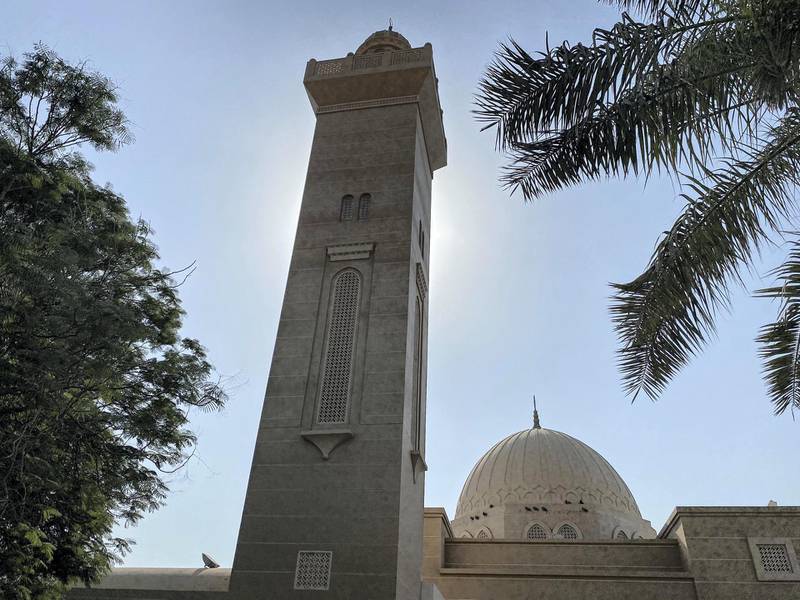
<point x="350" y="251"/>
<point x="422" y="282"/>
<point x="367" y="104"/>
<point x="327" y="440"/>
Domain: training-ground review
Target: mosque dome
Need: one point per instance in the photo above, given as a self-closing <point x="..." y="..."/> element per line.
<point x="549" y="478"/>
<point x="386" y="40"/>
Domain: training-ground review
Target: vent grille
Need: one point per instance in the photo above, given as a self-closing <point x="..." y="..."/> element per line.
<point x="567" y="532"/>
<point x="775" y="558"/>
<point x="313" y="571"/>
<point x="536" y="532"/>
<point x="335" y="391"/>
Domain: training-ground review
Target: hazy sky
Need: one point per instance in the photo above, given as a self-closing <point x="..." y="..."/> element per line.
<point x="519" y="294"/>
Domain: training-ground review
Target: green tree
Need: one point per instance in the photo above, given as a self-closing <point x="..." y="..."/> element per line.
<point x="96" y="383"/>
<point x="707" y="91"/>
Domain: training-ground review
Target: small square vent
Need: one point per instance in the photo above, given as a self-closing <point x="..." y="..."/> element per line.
<point x="774" y="559"/>
<point x="313" y="571"/>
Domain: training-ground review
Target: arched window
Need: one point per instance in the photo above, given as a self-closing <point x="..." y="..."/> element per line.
<point x="340" y="342"/>
<point x="363" y="207"/>
<point x="621" y="535"/>
<point x="537" y="531"/>
<point x="567" y="532"/>
<point x="483" y="534"/>
<point x="346" y="212"/>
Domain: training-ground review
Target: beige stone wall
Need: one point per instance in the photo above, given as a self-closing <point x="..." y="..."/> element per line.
<point x="701" y="554"/>
<point x="714" y="541"/>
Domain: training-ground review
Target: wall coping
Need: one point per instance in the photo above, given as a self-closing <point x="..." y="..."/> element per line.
<point x="723" y="511"/>
<point x="433" y="512"/>
<point x="165" y="579"/>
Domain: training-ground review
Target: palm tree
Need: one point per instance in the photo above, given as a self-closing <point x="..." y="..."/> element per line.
<point x="707" y="91"/>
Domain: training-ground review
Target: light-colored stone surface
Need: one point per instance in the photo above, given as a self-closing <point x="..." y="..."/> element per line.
<point x="545" y="477"/>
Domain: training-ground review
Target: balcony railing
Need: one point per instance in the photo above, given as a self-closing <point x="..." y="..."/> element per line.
<point x="338" y="66"/>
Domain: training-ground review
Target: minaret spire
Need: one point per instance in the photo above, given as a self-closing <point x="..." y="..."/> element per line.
<point x="535" y="415"/>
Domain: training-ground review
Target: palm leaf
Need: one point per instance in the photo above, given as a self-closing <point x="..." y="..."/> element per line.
<point x="666" y="315"/>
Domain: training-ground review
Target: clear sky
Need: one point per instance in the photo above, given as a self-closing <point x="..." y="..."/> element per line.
<point x="519" y="294"/>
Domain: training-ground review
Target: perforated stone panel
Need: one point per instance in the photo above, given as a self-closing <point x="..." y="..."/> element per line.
<point x="536" y="532"/>
<point x="313" y="571"/>
<point x="363" y="207"/>
<point x="347" y="208"/>
<point x="482" y="535"/>
<point x="775" y="558"/>
<point x="337" y="373"/>
<point x="567" y="532"/>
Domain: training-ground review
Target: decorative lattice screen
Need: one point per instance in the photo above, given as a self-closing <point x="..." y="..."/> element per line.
<point x="313" y="571"/>
<point x="568" y="532"/>
<point x="621" y="535"/>
<point x="347" y="208"/>
<point x="775" y="558"/>
<point x="337" y="372"/>
<point x="363" y="207"/>
<point x="536" y="532"/>
<point x="482" y="535"/>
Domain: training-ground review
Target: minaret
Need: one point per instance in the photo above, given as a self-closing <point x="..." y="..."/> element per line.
<point x="335" y="496"/>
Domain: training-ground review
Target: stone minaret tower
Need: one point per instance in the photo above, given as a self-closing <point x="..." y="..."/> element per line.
<point x="335" y="497"/>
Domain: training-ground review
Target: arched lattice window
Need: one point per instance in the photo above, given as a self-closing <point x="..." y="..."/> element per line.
<point x="536" y="532"/>
<point x="340" y="341"/>
<point x="346" y="212"/>
<point x="621" y="535"/>
<point x="363" y="207"/>
<point x="567" y="532"/>
<point x="483" y="535"/>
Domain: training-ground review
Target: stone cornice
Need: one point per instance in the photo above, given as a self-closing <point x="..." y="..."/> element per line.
<point x="350" y="251"/>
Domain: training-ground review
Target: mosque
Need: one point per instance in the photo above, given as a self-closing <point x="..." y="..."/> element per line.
<point x="334" y="503"/>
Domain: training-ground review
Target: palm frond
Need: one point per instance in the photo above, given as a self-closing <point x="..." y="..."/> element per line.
<point x="780" y="341"/>
<point x="666" y="315"/>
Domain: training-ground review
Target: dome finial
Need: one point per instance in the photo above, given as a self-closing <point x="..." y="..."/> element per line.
<point x="391" y="25"/>
<point x="535" y="415"/>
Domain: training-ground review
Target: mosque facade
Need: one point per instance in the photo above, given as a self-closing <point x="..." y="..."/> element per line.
<point x="334" y="503"/>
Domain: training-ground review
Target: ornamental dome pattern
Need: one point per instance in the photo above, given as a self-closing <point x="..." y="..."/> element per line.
<point x="544" y="467"/>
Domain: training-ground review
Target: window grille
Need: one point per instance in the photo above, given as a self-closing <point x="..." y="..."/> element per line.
<point x="482" y="535"/>
<point x="363" y="207"/>
<point x="621" y="535"/>
<point x="775" y="558"/>
<point x="337" y="373"/>
<point x="346" y="213"/>
<point x="567" y="532"/>
<point x="536" y="532"/>
<point x="313" y="571"/>
<point x="417" y="390"/>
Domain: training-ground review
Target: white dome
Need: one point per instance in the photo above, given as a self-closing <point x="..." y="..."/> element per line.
<point x="553" y="477"/>
<point x="544" y="466"/>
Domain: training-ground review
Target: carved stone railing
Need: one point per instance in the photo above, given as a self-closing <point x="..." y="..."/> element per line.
<point x="338" y="66"/>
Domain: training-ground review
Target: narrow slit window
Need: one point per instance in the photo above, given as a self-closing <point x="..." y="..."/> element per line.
<point x="417" y="390"/>
<point x="340" y="344"/>
<point x="346" y="212"/>
<point x="363" y="207"/>
<point x="421" y="239"/>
